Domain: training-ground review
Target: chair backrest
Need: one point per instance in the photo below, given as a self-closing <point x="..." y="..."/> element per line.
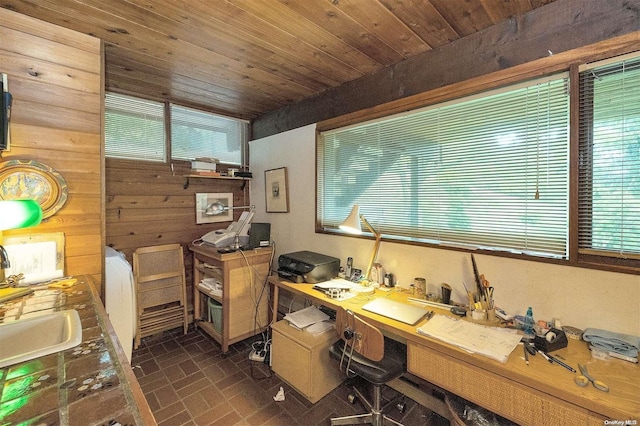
<point x="364" y="338"/>
<point x="159" y="275"/>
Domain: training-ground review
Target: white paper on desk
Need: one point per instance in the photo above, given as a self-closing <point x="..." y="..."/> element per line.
<point x="475" y="338"/>
<point x="305" y="317"/>
<point x="319" y="327"/>
<point x="336" y="283"/>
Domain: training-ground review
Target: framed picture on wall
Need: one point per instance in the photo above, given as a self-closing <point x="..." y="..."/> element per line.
<point x="276" y="190"/>
<point x="214" y="207"/>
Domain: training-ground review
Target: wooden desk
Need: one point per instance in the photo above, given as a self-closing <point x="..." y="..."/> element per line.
<point x="538" y="394"/>
<point x="243" y="305"/>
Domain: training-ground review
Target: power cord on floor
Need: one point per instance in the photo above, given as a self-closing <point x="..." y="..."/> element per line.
<point x="260" y="354"/>
<point x="260" y="351"/>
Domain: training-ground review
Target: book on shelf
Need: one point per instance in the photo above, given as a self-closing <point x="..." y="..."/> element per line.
<point x="205" y="173"/>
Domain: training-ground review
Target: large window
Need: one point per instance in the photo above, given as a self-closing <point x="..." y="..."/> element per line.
<point x="135" y="129"/>
<point x="609" y="167"/>
<point x="488" y="171"/>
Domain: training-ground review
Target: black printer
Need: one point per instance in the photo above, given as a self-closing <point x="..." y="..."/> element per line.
<point x="307" y="267"/>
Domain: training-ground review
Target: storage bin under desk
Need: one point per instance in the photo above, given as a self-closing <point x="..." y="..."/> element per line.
<point x="302" y="360"/>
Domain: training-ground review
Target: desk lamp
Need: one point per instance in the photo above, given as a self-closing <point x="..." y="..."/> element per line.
<point x="217" y="208"/>
<point x="16" y="214"/>
<point x="352" y="226"/>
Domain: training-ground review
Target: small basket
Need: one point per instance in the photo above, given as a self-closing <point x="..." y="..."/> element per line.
<point x="215" y="314"/>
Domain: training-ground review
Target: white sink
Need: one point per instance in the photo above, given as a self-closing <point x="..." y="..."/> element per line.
<point x="38" y="336"/>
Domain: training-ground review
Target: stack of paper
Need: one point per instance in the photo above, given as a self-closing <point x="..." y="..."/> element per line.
<point x="488" y="341"/>
<point x="211" y="285"/>
<point x="204" y="164"/>
<point x="339" y="289"/>
<point x="309" y="319"/>
<point x="319" y="327"/>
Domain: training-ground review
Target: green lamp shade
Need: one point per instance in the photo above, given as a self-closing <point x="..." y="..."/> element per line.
<point x="19" y="214"/>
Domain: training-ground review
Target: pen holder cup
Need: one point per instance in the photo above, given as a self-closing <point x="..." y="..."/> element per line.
<point x="553" y="340"/>
<point x="446" y="293"/>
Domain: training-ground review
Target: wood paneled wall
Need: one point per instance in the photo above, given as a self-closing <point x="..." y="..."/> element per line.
<point x="147" y="205"/>
<point x="56" y="78"/>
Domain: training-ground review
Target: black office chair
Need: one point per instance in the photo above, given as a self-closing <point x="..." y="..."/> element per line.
<point x="364" y="352"/>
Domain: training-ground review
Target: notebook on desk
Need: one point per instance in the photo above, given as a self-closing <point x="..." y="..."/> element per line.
<point x="398" y="311"/>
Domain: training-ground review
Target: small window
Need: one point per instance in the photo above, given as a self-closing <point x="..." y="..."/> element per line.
<point x="134" y="128"/>
<point x="201" y="134"/>
<point x="609" y="162"/>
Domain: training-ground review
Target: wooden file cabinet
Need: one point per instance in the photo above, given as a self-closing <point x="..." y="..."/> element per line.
<point x="242" y="275"/>
<point x="302" y="360"/>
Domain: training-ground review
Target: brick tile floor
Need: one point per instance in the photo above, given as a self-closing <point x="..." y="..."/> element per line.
<point x="188" y="381"/>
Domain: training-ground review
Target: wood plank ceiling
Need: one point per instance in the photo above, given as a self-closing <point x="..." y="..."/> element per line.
<point x="244" y="58"/>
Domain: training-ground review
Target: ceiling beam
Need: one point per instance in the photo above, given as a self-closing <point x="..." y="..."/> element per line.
<point x="549" y="30"/>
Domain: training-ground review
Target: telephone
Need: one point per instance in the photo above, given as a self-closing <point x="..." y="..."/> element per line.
<point x="226" y="237"/>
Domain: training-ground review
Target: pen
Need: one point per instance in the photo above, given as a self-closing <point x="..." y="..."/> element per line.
<point x="546" y="357"/>
<point x="557" y="361"/>
<point x="526" y="354"/>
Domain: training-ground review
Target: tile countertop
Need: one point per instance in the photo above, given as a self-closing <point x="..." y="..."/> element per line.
<point x="91" y="384"/>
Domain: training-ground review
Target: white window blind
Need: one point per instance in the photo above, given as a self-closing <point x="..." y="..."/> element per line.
<point x="609" y="168"/>
<point x="201" y="134"/>
<point x="134" y="128"/>
<point x="489" y="171"/>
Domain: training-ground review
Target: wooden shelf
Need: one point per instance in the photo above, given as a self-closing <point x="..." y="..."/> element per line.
<point x="242" y="276"/>
<point x="187" y="177"/>
<point x="210" y="329"/>
<point x="214" y="272"/>
<point x="217" y="298"/>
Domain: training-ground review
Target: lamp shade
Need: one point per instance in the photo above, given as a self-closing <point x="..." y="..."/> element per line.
<point x="217" y="208"/>
<point x="352" y="223"/>
<point x="19" y="214"/>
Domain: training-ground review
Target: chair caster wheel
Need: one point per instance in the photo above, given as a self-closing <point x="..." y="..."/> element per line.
<point x="352" y="398"/>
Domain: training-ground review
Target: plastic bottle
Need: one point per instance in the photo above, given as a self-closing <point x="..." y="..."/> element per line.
<point x="528" y="325"/>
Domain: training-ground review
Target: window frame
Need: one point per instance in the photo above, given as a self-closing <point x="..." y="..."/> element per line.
<point x="479" y="85"/>
<point x="151" y="108"/>
<point x="437" y="146"/>
<point x="592" y="258"/>
<point x="167" y="125"/>
<point x="243" y="131"/>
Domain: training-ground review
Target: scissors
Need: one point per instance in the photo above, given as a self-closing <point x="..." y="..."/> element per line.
<point x="584" y="379"/>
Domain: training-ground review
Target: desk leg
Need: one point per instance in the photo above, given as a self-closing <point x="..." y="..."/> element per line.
<point x="410" y="387"/>
<point x="273" y="313"/>
<point x="196" y="293"/>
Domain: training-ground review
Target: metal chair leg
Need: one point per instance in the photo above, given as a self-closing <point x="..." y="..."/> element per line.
<point x="375" y="416"/>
